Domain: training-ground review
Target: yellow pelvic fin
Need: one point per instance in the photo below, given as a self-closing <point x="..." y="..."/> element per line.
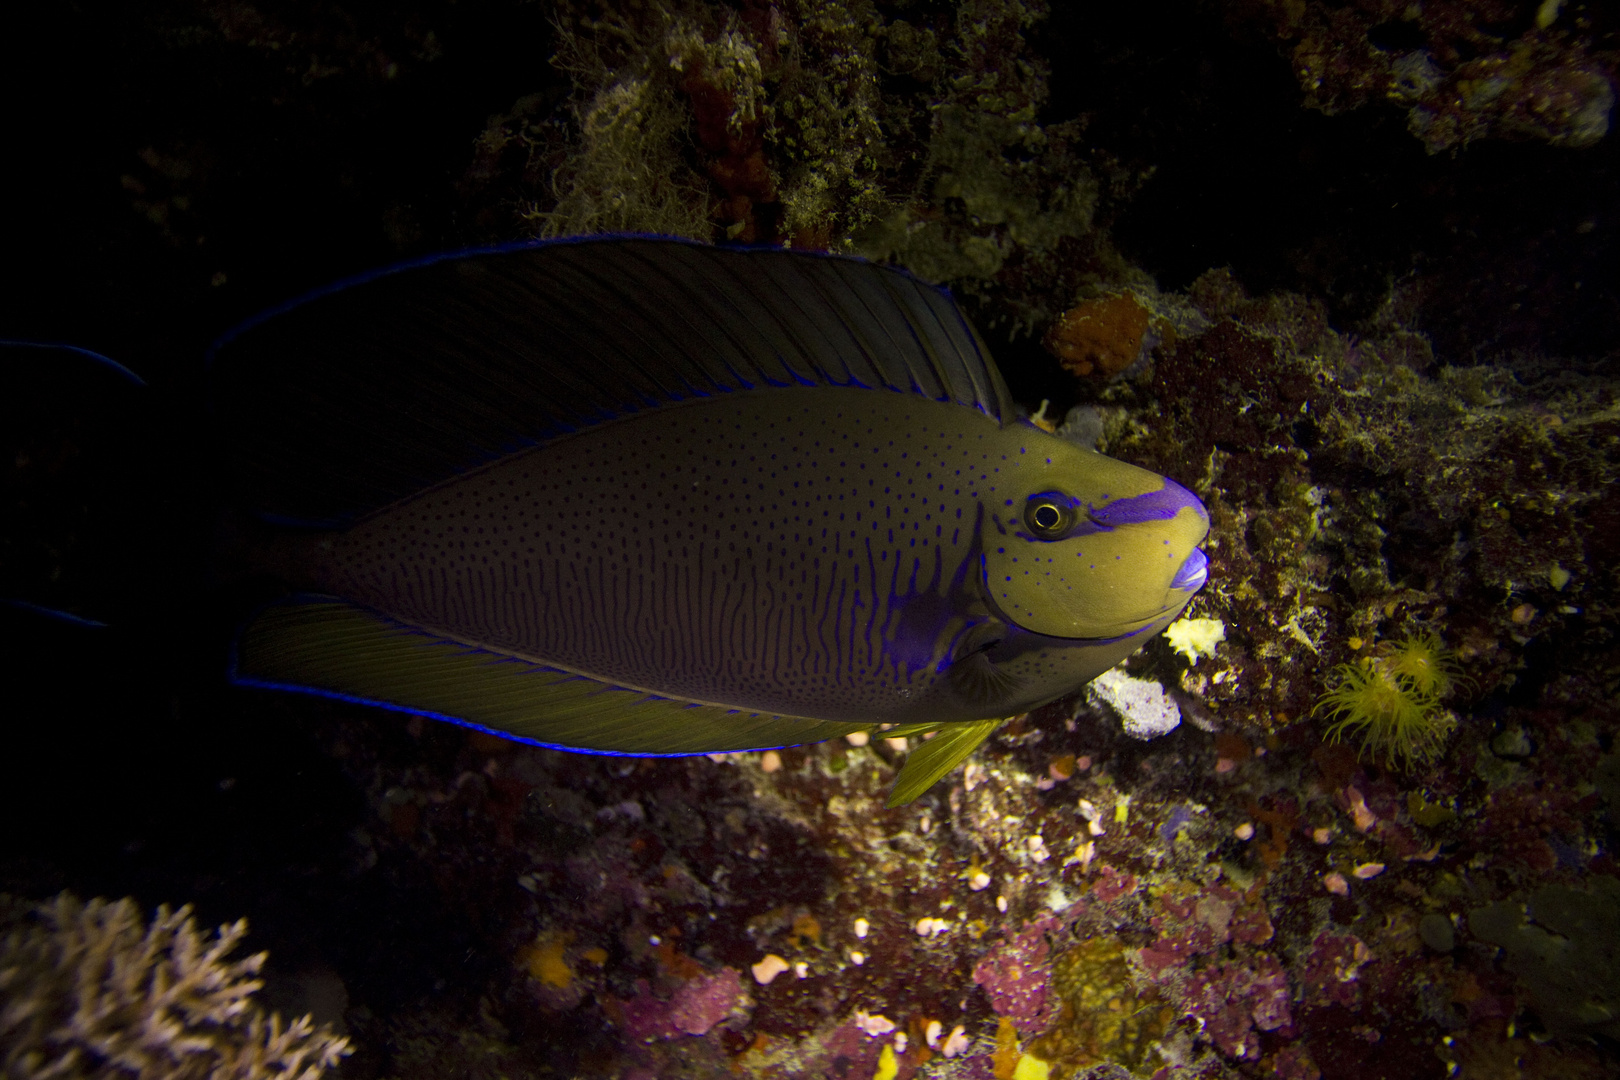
<point x="936" y="757"/>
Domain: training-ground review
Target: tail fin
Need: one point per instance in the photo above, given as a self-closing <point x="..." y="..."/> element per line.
<point x="78" y="442"/>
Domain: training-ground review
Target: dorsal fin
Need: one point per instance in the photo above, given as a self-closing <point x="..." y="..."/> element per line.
<point x="360" y="395"/>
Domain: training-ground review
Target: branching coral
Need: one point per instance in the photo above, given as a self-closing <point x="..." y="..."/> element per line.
<point x="92" y="992"/>
<point x="1391" y="701"/>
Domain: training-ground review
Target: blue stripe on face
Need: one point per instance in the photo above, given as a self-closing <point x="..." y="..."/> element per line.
<point x="1161" y="505"/>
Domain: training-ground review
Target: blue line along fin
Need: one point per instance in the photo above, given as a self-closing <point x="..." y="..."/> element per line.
<point x="334" y="649"/>
<point x="365" y="393"/>
<point x="76" y="497"/>
<point x="62" y="363"/>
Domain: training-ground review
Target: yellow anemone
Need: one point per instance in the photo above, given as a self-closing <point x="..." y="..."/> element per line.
<point x="1386" y="712"/>
<point x="1422" y="663"/>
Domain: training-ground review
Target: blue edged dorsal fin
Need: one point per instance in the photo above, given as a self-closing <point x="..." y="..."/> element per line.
<point x="324" y="646"/>
<point x="30" y="608"/>
<point x="365" y="393"/>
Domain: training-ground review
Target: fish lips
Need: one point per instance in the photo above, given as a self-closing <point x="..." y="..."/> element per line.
<point x="1193" y="574"/>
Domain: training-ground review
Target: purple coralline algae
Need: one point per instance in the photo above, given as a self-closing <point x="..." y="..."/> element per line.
<point x="1228" y="999"/>
<point x="1192" y="925"/>
<point x="1113" y="883"/>
<point x="1016" y="976"/>
<point x="847" y="1051"/>
<point x="694" y="1009"/>
<point x="1333" y="965"/>
<point x="1231" y="1000"/>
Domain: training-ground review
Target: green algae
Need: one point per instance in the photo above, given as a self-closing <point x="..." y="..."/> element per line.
<point x="624" y="175"/>
<point x="1102" y="1017"/>
<point x="1564" y="944"/>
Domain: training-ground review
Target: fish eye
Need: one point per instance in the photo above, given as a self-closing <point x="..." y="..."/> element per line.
<point x="1049" y="515"/>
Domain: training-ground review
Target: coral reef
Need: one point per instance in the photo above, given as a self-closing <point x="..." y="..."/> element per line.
<point x="699" y="120"/>
<point x="91" y="991"/>
<point x="1332" y="528"/>
<point x="1463" y="70"/>
<point x="906" y="133"/>
<point x="1073" y="898"/>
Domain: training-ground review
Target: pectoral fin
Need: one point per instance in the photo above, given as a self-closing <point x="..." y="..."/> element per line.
<point x="938" y="756"/>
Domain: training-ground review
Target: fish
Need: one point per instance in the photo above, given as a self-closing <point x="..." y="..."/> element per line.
<point x="643" y="496"/>
<point x="77" y="446"/>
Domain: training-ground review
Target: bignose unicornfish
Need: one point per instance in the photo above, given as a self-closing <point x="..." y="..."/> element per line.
<point x="647" y="497"/>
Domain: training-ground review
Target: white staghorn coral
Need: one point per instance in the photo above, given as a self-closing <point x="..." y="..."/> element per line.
<point x="89" y="992"/>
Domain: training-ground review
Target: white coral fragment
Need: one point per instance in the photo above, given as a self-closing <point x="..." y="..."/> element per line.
<point x="873" y="1025"/>
<point x="1144" y="709"/>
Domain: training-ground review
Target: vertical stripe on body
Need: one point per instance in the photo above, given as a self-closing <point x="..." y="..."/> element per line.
<point x="780" y="550"/>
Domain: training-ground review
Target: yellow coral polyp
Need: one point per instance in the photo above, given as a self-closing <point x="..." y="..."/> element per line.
<point x="1423" y="663"/>
<point x="1390" y="703"/>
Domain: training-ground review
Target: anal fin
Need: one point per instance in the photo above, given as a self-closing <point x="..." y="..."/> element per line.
<point x="334" y="649"/>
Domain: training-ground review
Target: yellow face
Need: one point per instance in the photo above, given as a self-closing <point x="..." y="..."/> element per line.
<point x="1078" y="545"/>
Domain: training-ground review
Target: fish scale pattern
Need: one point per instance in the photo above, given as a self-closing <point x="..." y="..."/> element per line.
<point x="792" y="556"/>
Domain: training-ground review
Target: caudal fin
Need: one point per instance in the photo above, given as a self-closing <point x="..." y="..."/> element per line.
<point x="76" y="484"/>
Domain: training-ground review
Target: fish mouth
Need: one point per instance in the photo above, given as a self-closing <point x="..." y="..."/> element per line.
<point x="1193" y="574"/>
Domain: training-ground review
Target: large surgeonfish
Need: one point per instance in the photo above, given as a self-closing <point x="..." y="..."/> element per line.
<point x="641" y="496"/>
